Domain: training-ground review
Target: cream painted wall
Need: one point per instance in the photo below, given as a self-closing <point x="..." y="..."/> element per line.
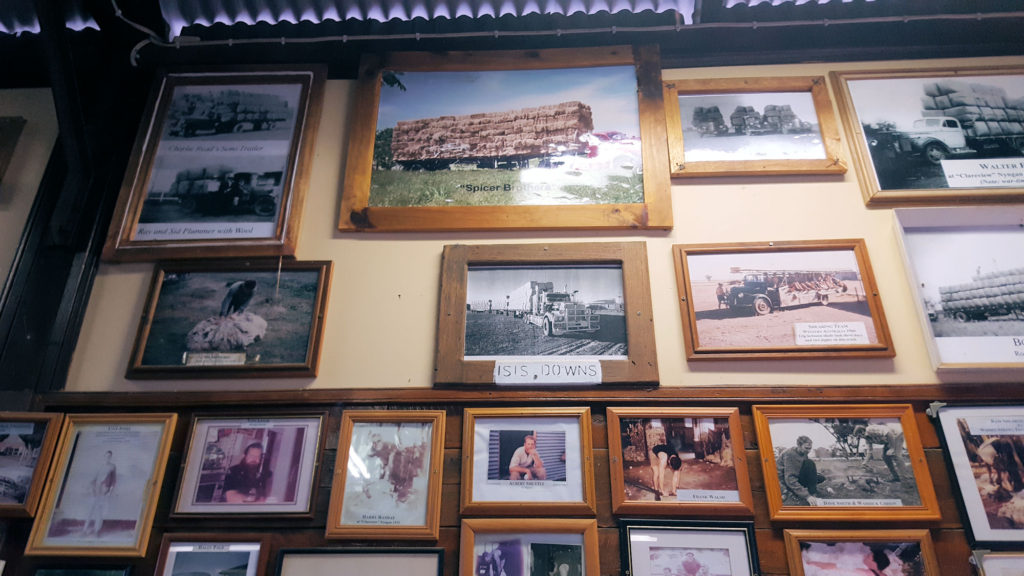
<point x="381" y="320"/>
<point x="21" y="181"/>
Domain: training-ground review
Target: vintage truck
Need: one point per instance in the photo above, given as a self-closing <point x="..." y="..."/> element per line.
<point x="764" y="291"/>
<point x="998" y="293"/>
<point x="708" y="121"/>
<point x="227" y="111"/>
<point x="555" y="312"/>
<point x="221" y="191"/>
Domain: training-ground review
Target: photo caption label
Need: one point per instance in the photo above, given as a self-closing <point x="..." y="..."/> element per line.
<point x="991" y="173"/>
<point x="830" y="333"/>
<point x="214" y="358"/>
<point x="995" y="426"/>
<point x="548" y="372"/>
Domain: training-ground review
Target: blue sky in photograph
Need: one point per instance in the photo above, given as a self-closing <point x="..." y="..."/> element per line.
<point x="610" y="91"/>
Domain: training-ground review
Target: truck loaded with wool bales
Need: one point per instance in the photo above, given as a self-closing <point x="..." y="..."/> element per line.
<point x="999" y="293"/>
<point x="556" y="312"/>
<point x="746" y="120"/>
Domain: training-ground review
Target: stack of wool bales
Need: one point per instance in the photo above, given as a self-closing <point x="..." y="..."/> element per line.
<point x="1002" y="290"/>
<point x="779" y="117"/>
<point x="525" y="132"/>
<point x="707" y="115"/>
<point x="744" y="117"/>
<point x="981" y="109"/>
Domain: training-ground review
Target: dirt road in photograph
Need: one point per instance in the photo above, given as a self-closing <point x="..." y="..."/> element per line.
<point x="740" y="328"/>
<point x="500" y="335"/>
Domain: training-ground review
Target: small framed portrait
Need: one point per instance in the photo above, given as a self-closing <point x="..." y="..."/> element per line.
<point x="678" y="461"/>
<point x="939" y="136"/>
<point x="232" y="319"/>
<point x="333" y="561"/>
<point x="221" y="166"/>
<point x="387" y="476"/>
<point x="985" y="448"/>
<point x="991" y="563"/>
<point x="687" y="548"/>
<point x="967" y="274"/>
<point x="734" y="126"/>
<point x="861" y="462"/>
<point x="897" y="552"/>
<point x="224" y="554"/>
<point x="529" y="547"/>
<point x="79" y="570"/>
<point x="554" y="139"/>
<point x="545" y="314"/>
<point x="813" y="299"/>
<point x="257" y="464"/>
<point x="103" y="489"/>
<point x="27" y="441"/>
<point x="527" y="461"/>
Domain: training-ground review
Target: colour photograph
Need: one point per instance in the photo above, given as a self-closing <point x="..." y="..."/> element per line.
<point x="20" y="445"/>
<point x="526" y="455"/>
<point x="528" y="554"/>
<point x="862" y="559"/>
<point x="212" y="558"/>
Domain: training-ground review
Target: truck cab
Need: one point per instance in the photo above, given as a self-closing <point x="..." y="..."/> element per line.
<point x="934" y="139"/>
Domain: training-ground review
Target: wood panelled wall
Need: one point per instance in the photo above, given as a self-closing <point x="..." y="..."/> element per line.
<point x="951" y="542"/>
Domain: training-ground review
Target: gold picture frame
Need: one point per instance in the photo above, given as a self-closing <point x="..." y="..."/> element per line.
<point x="906" y="546"/>
<point x="519" y="540"/>
<point x="38" y="433"/>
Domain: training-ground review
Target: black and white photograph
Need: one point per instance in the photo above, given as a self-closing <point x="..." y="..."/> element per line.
<point x="517" y="455"/>
<point x="843" y="462"/>
<point x="211" y="558"/>
<point x="862" y="559"/>
<point x="21" y="444"/>
<point x="750" y="126"/>
<point x="688" y="548"/>
<point x="556" y="559"/>
<point x="249" y="465"/>
<point x="518" y="311"/>
<point x="233" y="317"/>
<point x="499" y="557"/>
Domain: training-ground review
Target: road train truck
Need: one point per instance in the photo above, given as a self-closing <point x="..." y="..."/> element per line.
<point x="557" y="313"/>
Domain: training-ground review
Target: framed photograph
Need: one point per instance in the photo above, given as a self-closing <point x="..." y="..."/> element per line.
<point x="687" y="548"/>
<point x="864" y="552"/>
<point x="998" y="563"/>
<point x="387" y="477"/>
<point x="523" y="461"/>
<point x="80" y="570"/>
<point x="756" y="126"/>
<point x="985" y="446"/>
<point x="220" y="165"/>
<point x="546" y="314"/>
<point x="27" y="441"/>
<point x="678" y="461"/>
<point x="861" y="462"/>
<point x="222" y="554"/>
<point x="10" y="131"/>
<point x="935" y="136"/>
<point x="232" y="319"/>
<point x="256" y="464"/>
<point x="814" y="299"/>
<point x="498" y="139"/>
<point x="333" y="561"/>
<point x="529" y="547"/>
<point x="102" y="492"/>
<point x="968" y="281"/>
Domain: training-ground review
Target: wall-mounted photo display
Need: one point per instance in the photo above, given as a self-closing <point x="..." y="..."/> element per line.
<point x="735" y="126"/>
<point x="805" y="299"/>
<point x="232" y="319"/>
<point x="529" y="547"/>
<point x="103" y="489"/>
<point x="938" y="136"/>
<point x="334" y="561"/>
<point x="861" y="462"/>
<point x="387" y="475"/>
<point x="27" y="441"/>
<point x="570" y="138"/>
<point x="985" y="446"/>
<point x="220" y="165"/>
<point x="687" y="548"/>
<point x="222" y="554"/>
<point x="678" y="461"/>
<point x="905" y="551"/>
<point x="991" y="563"/>
<point x="254" y="464"/>
<point x="527" y="461"/>
<point x="545" y="314"/>
<point x="967" y="273"/>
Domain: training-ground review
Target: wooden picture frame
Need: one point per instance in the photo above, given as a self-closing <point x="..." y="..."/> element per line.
<point x="83" y="570"/>
<point x="801" y="484"/>
<point x="209" y="319"/>
<point x="887" y="546"/>
<point x="963" y="299"/>
<point x="558" y="486"/>
<point x="84" y="478"/>
<point x="259" y="464"/>
<point x="29" y="439"/>
<point x="368" y="501"/>
<point x="518" y="541"/>
<point x="514" y="200"/>
<point x="220" y="166"/>
<point x="933" y="136"/>
<point x="219" y="552"/>
<point x="798" y="133"/>
<point x="696" y="446"/>
<point x="732" y="295"/>
<point x="991" y="563"/>
<point x="707" y="547"/>
<point x="331" y="561"/>
<point x="487" y="331"/>
<point x="973" y="436"/>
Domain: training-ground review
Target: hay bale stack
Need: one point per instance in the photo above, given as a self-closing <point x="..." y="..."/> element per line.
<point x="1001" y="289"/>
<point x="982" y="110"/>
<point x="491" y="135"/>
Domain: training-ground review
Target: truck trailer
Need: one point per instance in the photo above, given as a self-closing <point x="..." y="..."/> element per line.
<point x="998" y="293"/>
<point x="555" y="312"/>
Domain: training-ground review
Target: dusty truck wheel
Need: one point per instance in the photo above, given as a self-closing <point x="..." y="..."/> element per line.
<point x="762" y="305"/>
<point x="960" y="317"/>
<point x="934" y="153"/>
<point x="265" y="206"/>
<point x="547" y="327"/>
